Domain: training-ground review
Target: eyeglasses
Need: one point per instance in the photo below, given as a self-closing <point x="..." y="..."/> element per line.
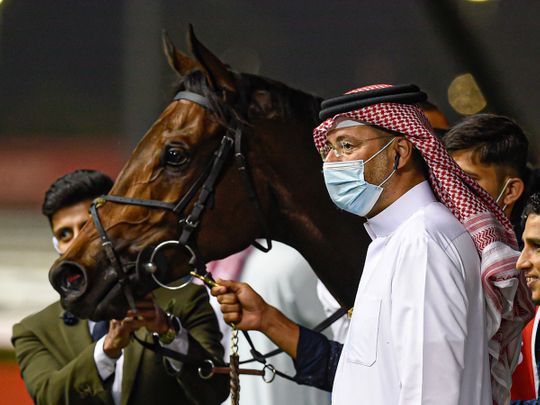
<point x="344" y="146"/>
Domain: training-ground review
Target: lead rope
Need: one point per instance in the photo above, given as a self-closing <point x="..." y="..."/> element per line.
<point x="234" y="365"/>
<point x="234" y="359"/>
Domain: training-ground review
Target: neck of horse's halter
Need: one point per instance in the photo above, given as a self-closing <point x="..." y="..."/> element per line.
<point x="204" y="185"/>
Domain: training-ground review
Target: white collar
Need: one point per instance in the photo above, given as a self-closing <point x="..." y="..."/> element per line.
<point x="389" y="219"/>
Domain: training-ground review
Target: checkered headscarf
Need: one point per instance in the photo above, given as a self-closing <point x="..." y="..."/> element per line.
<point x="508" y="303"/>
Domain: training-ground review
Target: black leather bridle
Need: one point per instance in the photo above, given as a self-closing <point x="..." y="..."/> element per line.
<point x="204" y="185"/>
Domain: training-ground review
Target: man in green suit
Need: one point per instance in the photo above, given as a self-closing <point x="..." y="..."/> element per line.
<point x="65" y="360"/>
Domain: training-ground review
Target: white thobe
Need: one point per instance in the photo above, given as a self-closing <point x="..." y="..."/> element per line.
<point x="417" y="334"/>
<point x="284" y="279"/>
<point x="339" y="327"/>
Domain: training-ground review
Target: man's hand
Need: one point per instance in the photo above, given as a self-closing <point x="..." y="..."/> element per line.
<point x="241" y="305"/>
<point x="118" y="337"/>
<point x="148" y="314"/>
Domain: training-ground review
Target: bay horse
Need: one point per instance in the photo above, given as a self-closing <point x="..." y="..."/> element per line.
<point x="283" y="199"/>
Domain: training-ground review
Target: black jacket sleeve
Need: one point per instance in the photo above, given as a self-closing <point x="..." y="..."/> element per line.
<point x="316" y="359"/>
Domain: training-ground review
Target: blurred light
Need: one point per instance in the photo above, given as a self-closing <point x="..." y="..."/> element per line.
<point x="465" y="96"/>
<point x="478" y="1"/>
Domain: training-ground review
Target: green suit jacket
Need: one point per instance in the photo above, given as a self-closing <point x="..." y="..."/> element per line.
<point x="57" y="360"/>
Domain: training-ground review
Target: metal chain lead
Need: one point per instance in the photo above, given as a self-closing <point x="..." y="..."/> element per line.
<point x="234" y="367"/>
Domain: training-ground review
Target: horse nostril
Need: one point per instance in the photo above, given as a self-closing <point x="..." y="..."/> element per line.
<point x="69" y="278"/>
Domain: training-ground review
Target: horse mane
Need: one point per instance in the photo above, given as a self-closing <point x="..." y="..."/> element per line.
<point x="286" y="102"/>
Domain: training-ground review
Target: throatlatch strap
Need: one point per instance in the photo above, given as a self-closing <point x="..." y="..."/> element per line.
<point x="241" y="165"/>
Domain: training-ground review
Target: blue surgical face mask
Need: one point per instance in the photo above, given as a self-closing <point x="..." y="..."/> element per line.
<point x="347" y="187"/>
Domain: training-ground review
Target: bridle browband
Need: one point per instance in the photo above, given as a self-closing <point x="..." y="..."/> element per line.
<point x="204" y="185"/>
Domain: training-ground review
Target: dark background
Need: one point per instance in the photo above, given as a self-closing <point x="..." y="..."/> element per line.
<point x="93" y="71"/>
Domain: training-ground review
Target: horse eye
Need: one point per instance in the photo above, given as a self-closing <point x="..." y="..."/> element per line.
<point x="175" y="156"/>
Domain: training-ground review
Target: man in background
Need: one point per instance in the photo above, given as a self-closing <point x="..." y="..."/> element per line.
<point x="529" y="263"/>
<point x="493" y="150"/>
<point x="66" y="360"/>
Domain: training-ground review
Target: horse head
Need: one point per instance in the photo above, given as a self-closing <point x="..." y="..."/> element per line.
<point x="229" y="160"/>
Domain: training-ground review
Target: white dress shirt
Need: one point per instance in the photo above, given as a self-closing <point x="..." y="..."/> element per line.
<point x="417" y="334"/>
<point x="106" y="365"/>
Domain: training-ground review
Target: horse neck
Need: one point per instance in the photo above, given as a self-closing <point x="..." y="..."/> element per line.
<point x="303" y="216"/>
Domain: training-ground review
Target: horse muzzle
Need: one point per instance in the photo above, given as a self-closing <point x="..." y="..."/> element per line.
<point x="105" y="300"/>
<point x="69" y="279"/>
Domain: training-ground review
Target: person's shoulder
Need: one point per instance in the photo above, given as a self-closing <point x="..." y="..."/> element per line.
<point x="51" y="311"/>
<point x="41" y="320"/>
<point x="436" y="222"/>
<point x="438" y="231"/>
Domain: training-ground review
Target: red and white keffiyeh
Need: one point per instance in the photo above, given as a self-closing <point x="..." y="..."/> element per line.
<point x="508" y="302"/>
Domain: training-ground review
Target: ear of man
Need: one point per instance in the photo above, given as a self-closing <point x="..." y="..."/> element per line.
<point x="514" y="189"/>
<point x="410" y="160"/>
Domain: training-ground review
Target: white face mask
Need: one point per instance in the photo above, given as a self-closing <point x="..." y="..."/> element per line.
<point x="502" y="192"/>
<point x="347" y="187"/>
<point x="55" y="244"/>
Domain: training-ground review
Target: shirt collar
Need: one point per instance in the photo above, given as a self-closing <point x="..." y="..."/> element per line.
<point x="388" y="220"/>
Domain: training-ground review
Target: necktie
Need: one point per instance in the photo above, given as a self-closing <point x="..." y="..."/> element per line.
<point x="100" y="329"/>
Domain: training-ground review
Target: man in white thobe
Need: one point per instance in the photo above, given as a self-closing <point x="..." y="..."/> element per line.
<point x="442" y="249"/>
<point x="418" y="332"/>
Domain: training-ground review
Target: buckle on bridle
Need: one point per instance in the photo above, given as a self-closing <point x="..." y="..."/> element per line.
<point x="99" y="201"/>
<point x="188" y="223"/>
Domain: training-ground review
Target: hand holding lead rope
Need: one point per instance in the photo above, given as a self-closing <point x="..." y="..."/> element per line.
<point x="234" y="360"/>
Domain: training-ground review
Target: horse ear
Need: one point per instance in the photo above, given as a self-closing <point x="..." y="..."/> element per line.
<point x="179" y="62"/>
<point x="218" y="75"/>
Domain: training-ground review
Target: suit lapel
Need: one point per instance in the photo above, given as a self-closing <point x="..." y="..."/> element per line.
<point x="132" y="358"/>
<point x="77" y="337"/>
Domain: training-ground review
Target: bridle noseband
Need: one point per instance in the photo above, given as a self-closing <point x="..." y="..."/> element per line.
<point x="204" y="184"/>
